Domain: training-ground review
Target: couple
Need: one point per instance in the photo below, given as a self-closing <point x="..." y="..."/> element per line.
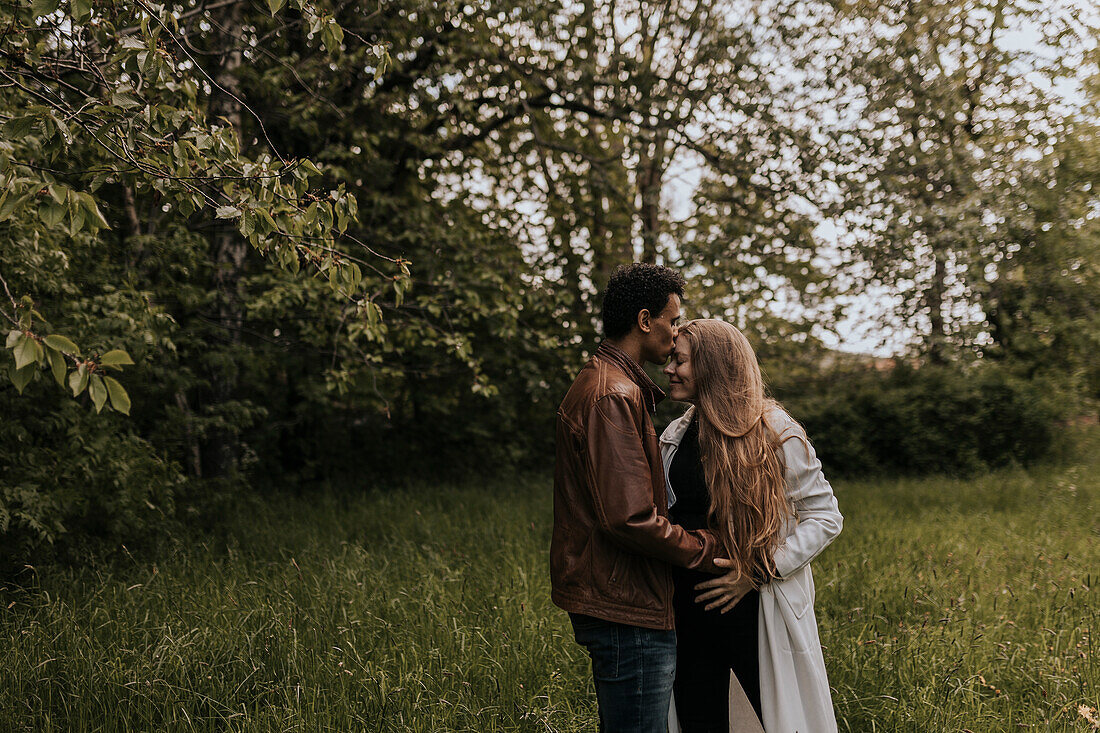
<point x="684" y="562"/>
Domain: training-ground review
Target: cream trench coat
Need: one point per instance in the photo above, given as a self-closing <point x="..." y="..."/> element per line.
<point x="794" y="690"/>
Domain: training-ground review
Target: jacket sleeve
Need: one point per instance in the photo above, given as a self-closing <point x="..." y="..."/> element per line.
<point x="818" y="517"/>
<point x="622" y="486"/>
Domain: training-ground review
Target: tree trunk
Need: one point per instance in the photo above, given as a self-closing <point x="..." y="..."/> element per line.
<point x="192" y="448"/>
<point x="650" y="177"/>
<point x="228" y="247"/>
<point x="934" y="297"/>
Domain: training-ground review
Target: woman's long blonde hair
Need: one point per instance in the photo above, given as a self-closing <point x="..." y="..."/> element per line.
<point x="742" y="456"/>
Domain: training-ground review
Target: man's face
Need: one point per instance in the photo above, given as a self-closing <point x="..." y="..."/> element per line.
<point x="661" y="338"/>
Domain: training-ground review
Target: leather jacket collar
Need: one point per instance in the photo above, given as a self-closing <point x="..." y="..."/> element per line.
<point x="617" y="356"/>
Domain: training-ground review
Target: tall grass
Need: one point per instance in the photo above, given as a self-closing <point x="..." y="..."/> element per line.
<point x="944" y="606"/>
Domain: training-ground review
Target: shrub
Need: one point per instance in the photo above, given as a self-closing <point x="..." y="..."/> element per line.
<point x="926" y="420"/>
<point x="75" y="483"/>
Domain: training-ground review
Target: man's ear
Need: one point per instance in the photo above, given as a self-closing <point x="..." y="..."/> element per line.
<point x="644" y="321"/>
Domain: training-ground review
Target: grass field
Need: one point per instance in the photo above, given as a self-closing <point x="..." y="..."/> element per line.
<point x="944" y="606"/>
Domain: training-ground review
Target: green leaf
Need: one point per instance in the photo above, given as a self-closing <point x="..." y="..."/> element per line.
<point x="62" y="344"/>
<point x="399" y="287"/>
<point x="331" y="36"/>
<point x="80" y="9"/>
<point x="228" y="212"/>
<point x="120" y="401"/>
<point x="18" y="128"/>
<point x="13" y="337"/>
<point x="78" y="380"/>
<point x="57" y="365"/>
<point x="88" y="204"/>
<point x="21" y="377"/>
<point x="115" y="357"/>
<point x="275" y="5"/>
<point x="76" y="216"/>
<point x="44" y="7"/>
<point x="248" y="223"/>
<point x="98" y="392"/>
<point x="25" y="352"/>
<point x="125" y="101"/>
<point x="62" y="128"/>
<point x="374" y="315"/>
<point x="11" y="204"/>
<point x="269" y="223"/>
<point x="52" y="213"/>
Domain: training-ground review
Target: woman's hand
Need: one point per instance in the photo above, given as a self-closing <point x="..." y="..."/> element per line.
<point x="725" y="590"/>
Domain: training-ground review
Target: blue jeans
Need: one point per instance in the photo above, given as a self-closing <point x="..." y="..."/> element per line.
<point x="633" y="669"/>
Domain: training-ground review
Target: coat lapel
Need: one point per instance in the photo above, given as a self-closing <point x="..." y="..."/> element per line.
<point x="670" y="442"/>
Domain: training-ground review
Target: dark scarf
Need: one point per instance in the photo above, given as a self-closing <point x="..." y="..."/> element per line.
<point x="653" y="394"/>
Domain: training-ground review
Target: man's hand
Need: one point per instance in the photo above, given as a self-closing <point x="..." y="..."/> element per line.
<point x="725" y="590"/>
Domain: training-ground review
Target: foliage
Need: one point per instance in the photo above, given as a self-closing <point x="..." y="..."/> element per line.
<point x="119" y="144"/>
<point x="103" y="102"/>
<point x="953" y="117"/>
<point x="1044" y="305"/>
<point x="910" y="421"/>
<point x="80" y="483"/>
<point x="459" y="193"/>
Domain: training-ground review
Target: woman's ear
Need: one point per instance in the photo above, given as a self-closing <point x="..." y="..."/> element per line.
<point x="644" y="321"/>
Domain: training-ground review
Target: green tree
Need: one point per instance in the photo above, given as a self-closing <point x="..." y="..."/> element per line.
<point x="625" y="106"/>
<point x="98" y="106"/>
<point x="949" y="112"/>
<point x="115" y="161"/>
<point x="1043" y="301"/>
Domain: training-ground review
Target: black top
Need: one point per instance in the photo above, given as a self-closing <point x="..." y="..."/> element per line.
<point x="685" y="474"/>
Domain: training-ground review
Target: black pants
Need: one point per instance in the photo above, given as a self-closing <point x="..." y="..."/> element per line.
<point x="709" y="645"/>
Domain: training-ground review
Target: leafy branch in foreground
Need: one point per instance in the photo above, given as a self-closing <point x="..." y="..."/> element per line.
<point x="106" y="101"/>
<point x="58" y="354"/>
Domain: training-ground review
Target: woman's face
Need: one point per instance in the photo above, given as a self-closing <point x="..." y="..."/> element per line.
<point x="681" y="382"/>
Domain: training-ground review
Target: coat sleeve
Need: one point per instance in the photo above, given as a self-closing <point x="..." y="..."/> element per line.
<point x="818" y="517"/>
<point x="622" y="486"/>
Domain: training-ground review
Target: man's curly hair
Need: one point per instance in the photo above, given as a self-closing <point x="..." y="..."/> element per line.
<point x="633" y="288"/>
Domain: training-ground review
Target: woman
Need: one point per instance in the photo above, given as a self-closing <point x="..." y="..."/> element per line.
<point x="736" y="462"/>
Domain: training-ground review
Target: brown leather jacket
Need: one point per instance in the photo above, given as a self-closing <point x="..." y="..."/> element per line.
<point x="613" y="545"/>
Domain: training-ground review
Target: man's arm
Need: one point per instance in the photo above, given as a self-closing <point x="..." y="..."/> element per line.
<point x="622" y="486"/>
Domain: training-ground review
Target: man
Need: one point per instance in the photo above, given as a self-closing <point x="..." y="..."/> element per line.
<point x="612" y="544"/>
